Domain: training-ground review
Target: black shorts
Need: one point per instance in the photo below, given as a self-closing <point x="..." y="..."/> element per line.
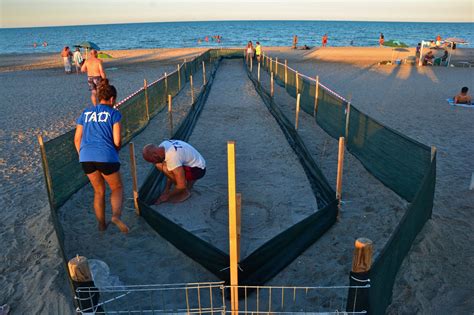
<point x="93" y="82"/>
<point x="103" y="167"/>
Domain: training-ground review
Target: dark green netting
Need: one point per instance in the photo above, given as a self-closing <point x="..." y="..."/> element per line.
<point x="331" y="114"/>
<point x="66" y="173"/>
<point x="134" y="115"/>
<point x="385" y="267"/>
<point x="156" y="101"/>
<point x="396" y="160"/>
<point x="307" y="98"/>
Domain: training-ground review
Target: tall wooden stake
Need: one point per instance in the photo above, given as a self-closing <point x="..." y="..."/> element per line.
<point x="239" y="222"/>
<point x="47" y="174"/>
<point x="192" y="88"/>
<point x="286" y="72"/>
<point x="145" y="87"/>
<point x="340" y="167"/>
<point x="203" y="73"/>
<point x="133" y="169"/>
<point x="276" y="66"/>
<point x="271" y="64"/>
<point x="234" y="276"/>
<point x="271" y="84"/>
<point x="170" y="115"/>
<point x="297" y="82"/>
<point x="179" y="78"/>
<point x="316" y="95"/>
<point x="348" y="114"/>
<point x="297" y="113"/>
<point x="166" y="86"/>
<point x="258" y="72"/>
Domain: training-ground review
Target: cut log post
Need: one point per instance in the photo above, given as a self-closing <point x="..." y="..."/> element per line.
<point x="340" y="168"/>
<point x="133" y="169"/>
<point x="170" y="115"/>
<point x="297" y="112"/>
<point x="271" y="84"/>
<point x="362" y="257"/>
<point x="251" y="64"/>
<point x="316" y="95"/>
<point x="79" y="269"/>
<point x="145" y="87"/>
<point x="271" y="64"/>
<point x="234" y="277"/>
<point x="286" y="72"/>
<point x="297" y="82"/>
<point x="203" y="73"/>
<point x="192" y="88"/>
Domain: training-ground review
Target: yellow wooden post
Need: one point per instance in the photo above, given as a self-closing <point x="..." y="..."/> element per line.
<point x="192" y="88"/>
<point x="276" y="66"/>
<point x="297" y="82"/>
<point x="145" y="87"/>
<point x="316" y="95"/>
<point x="170" y="115"/>
<point x="166" y="86"/>
<point x="362" y="256"/>
<point x="239" y="222"/>
<point x="133" y="169"/>
<point x="203" y="73"/>
<point x="340" y="167"/>
<point x="271" y="84"/>
<point x="297" y="113"/>
<point x="234" y="276"/>
<point x="251" y="64"/>
<point x="271" y="64"/>
<point x="286" y="72"/>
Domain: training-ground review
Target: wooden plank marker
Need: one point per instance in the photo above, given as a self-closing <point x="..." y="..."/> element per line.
<point x="133" y="169"/>
<point x="234" y="276"/>
<point x="192" y="88"/>
<point x="258" y="73"/>
<point x="79" y="269"/>
<point x="316" y="95"/>
<point x="170" y="115"/>
<point x="286" y="72"/>
<point x="362" y="256"/>
<point x="271" y="84"/>
<point x="145" y="87"/>
<point x="179" y="77"/>
<point x="239" y="222"/>
<point x="340" y="168"/>
<point x="297" y="112"/>
<point x="203" y="73"/>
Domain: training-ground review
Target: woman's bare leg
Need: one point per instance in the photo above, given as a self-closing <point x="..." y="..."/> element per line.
<point x="98" y="185"/>
<point x="116" y="199"/>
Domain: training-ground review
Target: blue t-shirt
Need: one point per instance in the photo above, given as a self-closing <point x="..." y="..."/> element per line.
<point x="97" y="144"/>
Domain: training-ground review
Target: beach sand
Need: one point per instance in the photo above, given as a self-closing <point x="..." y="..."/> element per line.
<point x="37" y="97"/>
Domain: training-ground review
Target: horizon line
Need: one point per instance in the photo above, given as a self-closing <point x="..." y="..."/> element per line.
<point x="240" y="20"/>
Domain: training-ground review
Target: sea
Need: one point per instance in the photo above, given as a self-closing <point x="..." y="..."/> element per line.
<point x="232" y="33"/>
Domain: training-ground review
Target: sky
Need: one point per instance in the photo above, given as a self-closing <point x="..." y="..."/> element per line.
<point x="32" y="13"/>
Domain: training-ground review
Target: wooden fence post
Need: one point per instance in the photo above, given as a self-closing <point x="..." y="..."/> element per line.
<point x="340" y="168"/>
<point x="297" y="82"/>
<point x="47" y="174"/>
<point x="145" y="87"/>
<point x="133" y="169"/>
<point x="179" y="77"/>
<point x="348" y="113"/>
<point x="286" y="72"/>
<point x="203" y="73"/>
<point x="192" y="88"/>
<point x="170" y="115"/>
<point x="258" y="73"/>
<point x="316" y="95"/>
<point x="358" y="296"/>
<point x="276" y="66"/>
<point x="239" y="222"/>
<point x="271" y="64"/>
<point x="271" y="84"/>
<point x="234" y="276"/>
<point x="166" y="86"/>
<point x="297" y="112"/>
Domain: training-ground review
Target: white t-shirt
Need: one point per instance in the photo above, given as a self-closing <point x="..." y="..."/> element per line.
<point x="179" y="153"/>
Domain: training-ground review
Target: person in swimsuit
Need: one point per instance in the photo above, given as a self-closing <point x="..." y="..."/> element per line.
<point x="97" y="141"/>
<point x="325" y="40"/>
<point x="95" y="73"/>
<point x="463" y="97"/>
<point x="182" y="165"/>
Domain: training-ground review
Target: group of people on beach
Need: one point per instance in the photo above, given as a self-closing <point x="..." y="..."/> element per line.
<point x="98" y="140"/>
<point x="251" y="52"/>
<point x="70" y="59"/>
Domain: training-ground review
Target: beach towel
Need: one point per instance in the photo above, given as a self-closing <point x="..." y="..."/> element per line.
<point x="451" y="102"/>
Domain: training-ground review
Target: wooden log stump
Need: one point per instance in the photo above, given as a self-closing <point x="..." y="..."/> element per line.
<point x="79" y="269"/>
<point x="362" y="257"/>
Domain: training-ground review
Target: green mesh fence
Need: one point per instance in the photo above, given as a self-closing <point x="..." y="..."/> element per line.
<point x="156" y="100"/>
<point x="134" y="115"/>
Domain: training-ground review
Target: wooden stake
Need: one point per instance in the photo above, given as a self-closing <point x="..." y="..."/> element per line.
<point x="297" y="82"/>
<point x="170" y="115"/>
<point x="348" y="113"/>
<point x="251" y="64"/>
<point x="234" y="276"/>
<point x="239" y="222"/>
<point x="145" y="86"/>
<point x="166" y="85"/>
<point x="47" y="174"/>
<point x="192" y="88"/>
<point x="203" y="73"/>
<point x="133" y="169"/>
<point x="271" y="84"/>
<point x="340" y="168"/>
<point x="271" y="64"/>
<point x="433" y="152"/>
<point x="286" y="72"/>
<point x="276" y="66"/>
<point x="79" y="269"/>
<point x="316" y="95"/>
<point x="297" y="114"/>
<point x="362" y="257"/>
<point x="179" y="78"/>
<point x="258" y="72"/>
<point x="185" y="66"/>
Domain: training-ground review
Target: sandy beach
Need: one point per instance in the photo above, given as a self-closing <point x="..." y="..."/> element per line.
<point x="37" y="97"/>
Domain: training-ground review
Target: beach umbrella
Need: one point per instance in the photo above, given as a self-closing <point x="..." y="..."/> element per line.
<point x="103" y="55"/>
<point x="89" y="45"/>
<point x="396" y="45"/>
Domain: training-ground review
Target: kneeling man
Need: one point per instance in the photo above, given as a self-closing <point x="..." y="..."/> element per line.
<point x="180" y="163"/>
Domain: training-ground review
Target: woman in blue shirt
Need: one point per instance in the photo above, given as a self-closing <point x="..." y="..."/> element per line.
<point x="97" y="142"/>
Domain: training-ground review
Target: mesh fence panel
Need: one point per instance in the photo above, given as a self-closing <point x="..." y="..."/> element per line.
<point x="134" y="115"/>
<point x="307" y="91"/>
<point x="156" y="97"/>
<point x="331" y="113"/>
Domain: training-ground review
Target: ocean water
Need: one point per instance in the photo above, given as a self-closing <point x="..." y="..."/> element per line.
<point x="234" y="33"/>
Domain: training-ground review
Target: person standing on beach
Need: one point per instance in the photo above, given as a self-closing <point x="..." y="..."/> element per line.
<point x="249" y="52"/>
<point x="66" y="54"/>
<point x="95" y="73"/>
<point x="258" y="51"/>
<point x="325" y="40"/>
<point x="182" y="165"/>
<point x="381" y="39"/>
<point x="97" y="141"/>
<point x="77" y="57"/>
<point x="295" y="42"/>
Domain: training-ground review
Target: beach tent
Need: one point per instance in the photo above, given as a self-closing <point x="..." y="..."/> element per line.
<point x="396" y="46"/>
<point x="424" y="43"/>
<point x="452" y="41"/>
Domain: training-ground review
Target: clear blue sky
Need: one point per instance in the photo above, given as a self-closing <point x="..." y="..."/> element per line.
<point x="25" y="13"/>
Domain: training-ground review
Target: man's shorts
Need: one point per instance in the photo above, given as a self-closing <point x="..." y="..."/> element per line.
<point x="103" y="167"/>
<point x="93" y="82"/>
<point x="193" y="173"/>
